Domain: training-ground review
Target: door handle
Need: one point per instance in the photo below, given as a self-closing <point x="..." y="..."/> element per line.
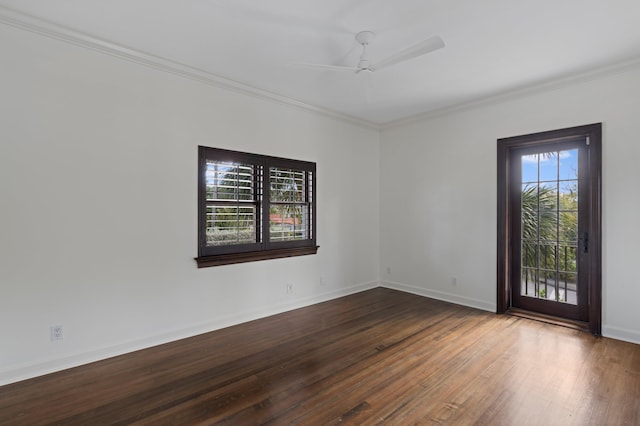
<point x="585" y="242"/>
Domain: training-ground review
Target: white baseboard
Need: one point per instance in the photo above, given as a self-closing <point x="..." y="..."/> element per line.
<point x="439" y="295"/>
<point x="34" y="370"/>
<point x="625" y="335"/>
<point x="632" y="336"/>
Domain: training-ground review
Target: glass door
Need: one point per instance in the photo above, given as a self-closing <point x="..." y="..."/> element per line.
<point x="549" y="208"/>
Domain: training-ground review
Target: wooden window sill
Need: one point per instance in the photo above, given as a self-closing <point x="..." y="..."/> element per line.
<point x="251" y="256"/>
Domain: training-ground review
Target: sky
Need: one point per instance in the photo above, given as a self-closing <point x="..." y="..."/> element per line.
<point x="564" y="162"/>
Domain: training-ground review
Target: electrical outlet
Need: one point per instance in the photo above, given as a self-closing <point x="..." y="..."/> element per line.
<point x="388" y="270"/>
<point x="289" y="288"/>
<point x="454" y="281"/>
<point x="56" y="332"/>
<point x="322" y="280"/>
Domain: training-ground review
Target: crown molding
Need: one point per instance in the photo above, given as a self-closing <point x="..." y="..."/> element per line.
<point x="48" y="29"/>
<point x="521" y="92"/>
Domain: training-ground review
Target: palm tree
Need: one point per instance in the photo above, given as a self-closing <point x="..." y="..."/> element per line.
<point x="287" y="192"/>
<point x="549" y="219"/>
<point x="538" y="225"/>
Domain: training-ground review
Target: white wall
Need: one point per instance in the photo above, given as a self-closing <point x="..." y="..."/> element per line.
<point x="98" y="161"/>
<point x="438" y="194"/>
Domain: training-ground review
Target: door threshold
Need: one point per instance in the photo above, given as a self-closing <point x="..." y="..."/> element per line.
<point x="549" y="319"/>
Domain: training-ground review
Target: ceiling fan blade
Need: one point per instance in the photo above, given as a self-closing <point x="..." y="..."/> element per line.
<point x="327" y="67"/>
<point x="419" y="49"/>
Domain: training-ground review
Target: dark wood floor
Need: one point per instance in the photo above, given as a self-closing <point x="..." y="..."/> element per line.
<point x="380" y="356"/>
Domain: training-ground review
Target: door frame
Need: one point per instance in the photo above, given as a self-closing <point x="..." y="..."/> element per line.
<point x="594" y="272"/>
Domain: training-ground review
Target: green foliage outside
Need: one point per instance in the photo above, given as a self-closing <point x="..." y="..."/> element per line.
<point x="231" y="224"/>
<point x="549" y="233"/>
<point x="235" y="224"/>
<point x="287" y="189"/>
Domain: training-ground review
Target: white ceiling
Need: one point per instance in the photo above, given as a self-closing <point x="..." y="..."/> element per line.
<point x="492" y="46"/>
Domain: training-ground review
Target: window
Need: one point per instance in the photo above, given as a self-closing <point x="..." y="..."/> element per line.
<point x="253" y="207"/>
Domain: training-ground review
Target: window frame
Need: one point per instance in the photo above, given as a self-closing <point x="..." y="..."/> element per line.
<point x="264" y="248"/>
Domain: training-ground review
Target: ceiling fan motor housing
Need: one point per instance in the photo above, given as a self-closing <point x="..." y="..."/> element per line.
<point x="365" y="37"/>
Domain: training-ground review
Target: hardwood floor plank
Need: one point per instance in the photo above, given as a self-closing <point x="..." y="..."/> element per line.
<point x="379" y="356"/>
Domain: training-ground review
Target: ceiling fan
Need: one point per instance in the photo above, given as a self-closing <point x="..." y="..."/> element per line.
<point x="365" y="38"/>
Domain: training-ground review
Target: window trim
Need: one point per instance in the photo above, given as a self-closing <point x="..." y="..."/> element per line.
<point x="264" y="249"/>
